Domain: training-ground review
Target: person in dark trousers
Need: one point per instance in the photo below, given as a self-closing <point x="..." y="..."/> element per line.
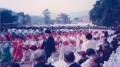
<point x="106" y="33"/>
<point x="70" y="59"/>
<point x="48" y="44"/>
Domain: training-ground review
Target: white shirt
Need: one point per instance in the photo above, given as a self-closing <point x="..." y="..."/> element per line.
<point x="33" y="43"/>
<point x="60" y="63"/>
<point x="27" y="42"/>
<point x="85" y="64"/>
<point x="89" y="44"/>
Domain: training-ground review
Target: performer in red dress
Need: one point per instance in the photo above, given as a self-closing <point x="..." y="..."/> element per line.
<point x="18" y="49"/>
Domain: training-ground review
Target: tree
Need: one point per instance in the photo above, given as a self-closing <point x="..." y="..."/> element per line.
<point x="105" y="12"/>
<point x="77" y="18"/>
<point x="46" y="14"/>
<point x="7" y="17"/>
<point x="24" y="19"/>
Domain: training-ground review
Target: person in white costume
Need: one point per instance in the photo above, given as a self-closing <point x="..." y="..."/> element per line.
<point x="78" y="45"/>
<point x="26" y="54"/>
<point x="72" y="43"/>
<point x="64" y="46"/>
<point x="90" y="43"/>
<point x="34" y="44"/>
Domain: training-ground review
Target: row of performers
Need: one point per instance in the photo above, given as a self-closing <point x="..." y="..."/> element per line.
<point x="72" y="33"/>
<point x="73" y="39"/>
<point x="61" y="27"/>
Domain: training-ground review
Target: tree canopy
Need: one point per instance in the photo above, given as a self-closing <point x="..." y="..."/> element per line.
<point x="7" y="17"/>
<point x="10" y="18"/>
<point x="105" y="12"/>
<point x="46" y="14"/>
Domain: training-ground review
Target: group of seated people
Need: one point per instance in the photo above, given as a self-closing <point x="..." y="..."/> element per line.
<point x="90" y="57"/>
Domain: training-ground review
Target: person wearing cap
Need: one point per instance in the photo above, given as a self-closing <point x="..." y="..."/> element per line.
<point x="48" y="44"/>
<point x="39" y="57"/>
<point x="82" y="57"/>
<point x="89" y="52"/>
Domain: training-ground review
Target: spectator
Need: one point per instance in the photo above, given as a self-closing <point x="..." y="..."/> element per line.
<point x="116" y="40"/>
<point x="83" y="57"/>
<point x="105" y="41"/>
<point x="104" y="53"/>
<point x="113" y="45"/>
<point x="70" y="59"/>
<point x="94" y="61"/>
<point x="89" y="52"/>
<point x="90" y="43"/>
<point x="39" y="57"/>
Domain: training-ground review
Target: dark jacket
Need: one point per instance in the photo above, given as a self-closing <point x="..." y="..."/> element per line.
<point x="48" y="46"/>
<point x="74" y="65"/>
<point x="81" y="61"/>
<point x="106" y="55"/>
<point x="40" y="64"/>
<point x="106" y="34"/>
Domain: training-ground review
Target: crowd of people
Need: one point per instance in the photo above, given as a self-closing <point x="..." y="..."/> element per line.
<point x="73" y="46"/>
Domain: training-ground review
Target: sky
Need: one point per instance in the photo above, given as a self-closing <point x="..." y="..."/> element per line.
<point x="36" y="7"/>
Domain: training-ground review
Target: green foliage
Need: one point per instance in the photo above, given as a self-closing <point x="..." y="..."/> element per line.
<point x="105" y="12"/>
<point x="77" y="18"/>
<point x="7" y="17"/>
<point x="46" y="14"/>
<point x="25" y="19"/>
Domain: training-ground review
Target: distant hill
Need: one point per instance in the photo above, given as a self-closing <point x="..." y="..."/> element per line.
<point x="78" y="14"/>
<point x="37" y="18"/>
<point x="73" y="14"/>
<point x="54" y="15"/>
